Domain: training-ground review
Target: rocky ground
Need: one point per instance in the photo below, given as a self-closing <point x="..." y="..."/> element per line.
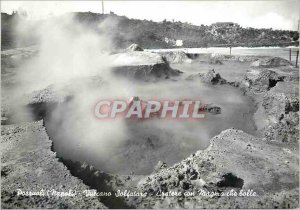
<point x="263" y="170"/>
<point x="28" y="164"/>
<point x="233" y="161"/>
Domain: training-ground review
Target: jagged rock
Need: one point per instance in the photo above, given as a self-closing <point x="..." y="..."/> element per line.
<point x="271" y="62"/>
<point x="277" y="97"/>
<point x="134" y="47"/>
<point x="228" y="163"/>
<point x="136" y="58"/>
<point x="211" y="109"/>
<point x="282" y="114"/>
<point x="143" y="66"/>
<point x="214" y="110"/>
<point x="260" y="80"/>
<point x="285" y="131"/>
<point x="210" y="77"/>
<point x="278" y="104"/>
<point x="176" y="57"/>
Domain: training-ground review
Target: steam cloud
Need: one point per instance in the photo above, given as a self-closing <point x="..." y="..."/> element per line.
<point x="77" y="60"/>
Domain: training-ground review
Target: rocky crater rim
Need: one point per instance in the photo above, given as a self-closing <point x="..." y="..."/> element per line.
<point x="257" y="80"/>
<point x="46" y="100"/>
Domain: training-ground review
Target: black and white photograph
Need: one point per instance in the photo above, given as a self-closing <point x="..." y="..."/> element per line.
<point x="147" y="104"/>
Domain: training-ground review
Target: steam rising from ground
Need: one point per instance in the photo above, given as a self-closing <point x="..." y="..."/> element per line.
<point x="67" y="50"/>
<point x="76" y="59"/>
<point x="70" y="54"/>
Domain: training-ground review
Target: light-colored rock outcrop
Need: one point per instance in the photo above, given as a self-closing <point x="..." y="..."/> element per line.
<point x="176" y="57"/>
<point x="143" y="66"/>
<point x="210" y="77"/>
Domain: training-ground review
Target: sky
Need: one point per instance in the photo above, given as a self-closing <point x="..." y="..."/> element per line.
<point x="280" y="14"/>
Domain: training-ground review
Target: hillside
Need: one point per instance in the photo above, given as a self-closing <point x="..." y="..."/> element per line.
<point x="167" y="34"/>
